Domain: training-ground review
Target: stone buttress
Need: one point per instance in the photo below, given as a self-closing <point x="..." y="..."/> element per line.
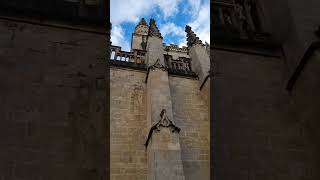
<point x="162" y="143"/>
<point x="200" y="63"/>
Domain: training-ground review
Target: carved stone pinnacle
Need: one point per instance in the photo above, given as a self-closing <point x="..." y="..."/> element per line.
<point x="153" y="29"/>
<point x="143" y="22"/>
<point x="192" y="39"/>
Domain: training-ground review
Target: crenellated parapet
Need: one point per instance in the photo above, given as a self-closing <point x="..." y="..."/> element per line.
<point x="132" y="59"/>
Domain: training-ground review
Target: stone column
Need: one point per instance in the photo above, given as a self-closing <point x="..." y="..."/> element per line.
<point x="163" y="147"/>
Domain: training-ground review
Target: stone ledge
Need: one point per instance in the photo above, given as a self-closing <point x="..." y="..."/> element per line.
<point x="128" y="65"/>
<point x="143" y="67"/>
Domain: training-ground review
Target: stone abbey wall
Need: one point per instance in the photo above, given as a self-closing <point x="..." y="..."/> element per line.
<point x="53" y="94"/>
<point x="256" y="130"/>
<point x="159" y="117"/>
<point x="191" y="114"/>
<point x="128" y="122"/>
<point x="264" y="104"/>
<point x="130" y="127"/>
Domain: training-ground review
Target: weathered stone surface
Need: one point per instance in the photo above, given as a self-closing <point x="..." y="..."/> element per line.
<point x="155" y="50"/>
<point x="128" y="156"/>
<point x="53" y="119"/>
<point x="164" y="153"/>
<point x="256" y="130"/>
<point x="306" y="100"/>
<point x="200" y="61"/>
<point x="191" y="114"/>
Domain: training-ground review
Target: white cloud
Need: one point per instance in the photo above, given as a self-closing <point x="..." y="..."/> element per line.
<point x="168" y="7"/>
<point x="128" y="11"/>
<point x="182" y="42"/>
<point x="201" y="23"/>
<point x="118" y="39"/>
<point x="174" y="30"/>
<point x="132" y="11"/>
<point x="194" y="7"/>
<point x="171" y="28"/>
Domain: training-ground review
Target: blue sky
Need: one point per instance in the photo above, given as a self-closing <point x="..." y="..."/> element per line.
<point x="171" y="17"/>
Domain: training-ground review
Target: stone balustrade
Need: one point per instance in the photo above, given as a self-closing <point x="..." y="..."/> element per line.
<point x="136" y="57"/>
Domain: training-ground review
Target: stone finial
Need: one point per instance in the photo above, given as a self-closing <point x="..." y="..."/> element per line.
<point x="143" y="22"/>
<point x="153" y="29"/>
<point x="191" y="37"/>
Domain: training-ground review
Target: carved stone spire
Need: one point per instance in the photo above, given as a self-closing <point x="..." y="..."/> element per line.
<point x="191" y="37"/>
<point x="153" y="29"/>
<point x="143" y="22"/>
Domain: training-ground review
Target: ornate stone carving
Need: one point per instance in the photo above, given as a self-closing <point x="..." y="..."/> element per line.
<point x="192" y="39"/>
<point x="142" y="27"/>
<point x="163" y="122"/>
<point x="158" y="65"/>
<point x="166" y="122"/>
<point x="153" y="29"/>
<point x="248" y="5"/>
<point x="239" y="20"/>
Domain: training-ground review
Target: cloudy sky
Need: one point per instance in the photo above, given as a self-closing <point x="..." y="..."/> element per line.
<point x="171" y="16"/>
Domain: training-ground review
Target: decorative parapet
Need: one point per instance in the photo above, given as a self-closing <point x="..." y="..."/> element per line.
<point x="240" y="22"/>
<point x="192" y="39"/>
<point x="134" y="59"/>
<point x="176" y="48"/>
<point x="153" y="29"/>
<point x="163" y="122"/>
